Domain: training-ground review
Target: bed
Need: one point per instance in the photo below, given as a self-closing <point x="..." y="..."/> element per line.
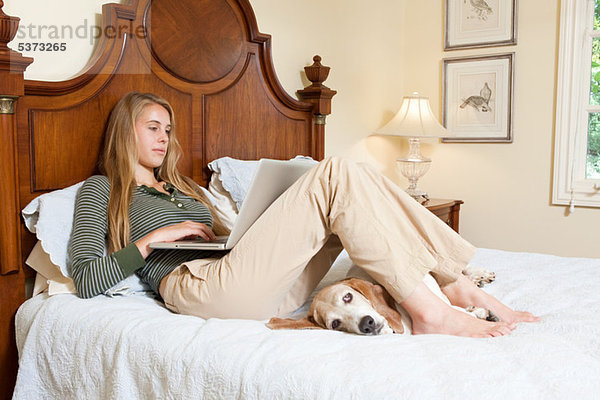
<point x="73" y="348"/>
<point x="219" y="76"/>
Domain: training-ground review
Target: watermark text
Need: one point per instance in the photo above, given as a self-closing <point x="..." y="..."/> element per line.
<point x="41" y="34"/>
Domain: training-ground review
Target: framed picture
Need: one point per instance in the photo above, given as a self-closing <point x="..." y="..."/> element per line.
<point x="477" y="100"/>
<point x="480" y="23"/>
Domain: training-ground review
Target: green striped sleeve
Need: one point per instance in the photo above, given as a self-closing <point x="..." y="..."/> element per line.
<point x="94" y="272"/>
<point x="129" y="259"/>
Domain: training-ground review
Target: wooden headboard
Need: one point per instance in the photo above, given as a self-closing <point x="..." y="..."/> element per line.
<point x="205" y="56"/>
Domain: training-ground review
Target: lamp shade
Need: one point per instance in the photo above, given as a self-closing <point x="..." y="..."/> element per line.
<point x="415" y="119"/>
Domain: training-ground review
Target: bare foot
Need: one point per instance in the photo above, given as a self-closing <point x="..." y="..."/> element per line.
<point x="463" y="293"/>
<point x="430" y="314"/>
<point x="457" y="323"/>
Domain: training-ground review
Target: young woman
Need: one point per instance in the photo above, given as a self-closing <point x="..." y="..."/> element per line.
<point x="142" y="198"/>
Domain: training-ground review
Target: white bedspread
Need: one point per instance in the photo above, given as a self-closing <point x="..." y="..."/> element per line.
<point x="133" y="348"/>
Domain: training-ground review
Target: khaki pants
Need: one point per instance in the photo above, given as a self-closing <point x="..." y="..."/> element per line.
<point x="283" y="256"/>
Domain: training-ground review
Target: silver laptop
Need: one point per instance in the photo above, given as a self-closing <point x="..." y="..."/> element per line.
<point x="271" y="179"/>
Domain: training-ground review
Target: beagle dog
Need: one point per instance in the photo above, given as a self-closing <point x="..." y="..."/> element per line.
<point x="357" y="305"/>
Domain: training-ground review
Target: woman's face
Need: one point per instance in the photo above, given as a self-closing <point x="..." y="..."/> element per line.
<point x="152" y="129"/>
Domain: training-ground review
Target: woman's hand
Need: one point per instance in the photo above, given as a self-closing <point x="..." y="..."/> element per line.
<point x="172" y="233"/>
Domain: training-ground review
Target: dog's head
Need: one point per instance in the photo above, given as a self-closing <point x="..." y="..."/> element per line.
<point x="352" y="305"/>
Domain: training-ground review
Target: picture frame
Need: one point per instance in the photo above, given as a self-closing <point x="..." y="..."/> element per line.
<point x="477" y="98"/>
<point x="480" y="23"/>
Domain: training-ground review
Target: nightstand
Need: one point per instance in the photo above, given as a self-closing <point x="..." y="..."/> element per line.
<point x="446" y="210"/>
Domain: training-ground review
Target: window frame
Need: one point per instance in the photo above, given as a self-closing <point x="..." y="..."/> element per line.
<point x="571" y="187"/>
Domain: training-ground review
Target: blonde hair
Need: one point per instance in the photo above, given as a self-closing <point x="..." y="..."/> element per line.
<point x="120" y="157"/>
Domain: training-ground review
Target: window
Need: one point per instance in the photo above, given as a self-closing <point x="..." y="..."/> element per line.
<point x="577" y="149"/>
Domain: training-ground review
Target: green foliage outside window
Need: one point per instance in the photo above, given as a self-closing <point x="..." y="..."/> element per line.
<point x="593" y="153"/>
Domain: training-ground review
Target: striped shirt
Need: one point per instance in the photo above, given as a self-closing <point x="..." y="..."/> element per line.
<point x="93" y="271"/>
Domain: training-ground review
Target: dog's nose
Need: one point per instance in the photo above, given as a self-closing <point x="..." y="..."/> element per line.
<point x="367" y="324"/>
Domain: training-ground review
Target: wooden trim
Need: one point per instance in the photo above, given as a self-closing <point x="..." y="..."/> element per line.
<point x="447" y="210"/>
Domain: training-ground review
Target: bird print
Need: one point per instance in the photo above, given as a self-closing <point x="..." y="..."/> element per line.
<point x="481" y="8"/>
<point x="481" y="102"/>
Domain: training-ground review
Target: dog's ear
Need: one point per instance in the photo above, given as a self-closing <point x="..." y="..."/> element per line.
<point x="287" y="323"/>
<point x="381" y="301"/>
<point x="360" y="285"/>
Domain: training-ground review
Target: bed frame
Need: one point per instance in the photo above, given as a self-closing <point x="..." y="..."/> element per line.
<point x="206" y="57"/>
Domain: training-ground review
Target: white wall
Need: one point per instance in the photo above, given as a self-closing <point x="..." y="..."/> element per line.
<point x="379" y="51"/>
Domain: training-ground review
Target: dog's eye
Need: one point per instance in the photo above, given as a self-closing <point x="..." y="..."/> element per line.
<point x="347" y="298"/>
<point x="335" y="324"/>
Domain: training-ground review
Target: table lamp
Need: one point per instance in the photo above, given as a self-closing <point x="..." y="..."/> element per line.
<point x="414" y="120"/>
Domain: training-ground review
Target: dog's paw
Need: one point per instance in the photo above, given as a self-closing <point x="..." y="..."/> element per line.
<point x="492" y="317"/>
<point x="479" y="276"/>
<point x="482" y="313"/>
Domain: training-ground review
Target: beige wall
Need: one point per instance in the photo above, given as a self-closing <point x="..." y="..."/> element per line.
<point x="382" y="50"/>
<point x="506" y="187"/>
<point x="69" y="20"/>
<point x="361" y="42"/>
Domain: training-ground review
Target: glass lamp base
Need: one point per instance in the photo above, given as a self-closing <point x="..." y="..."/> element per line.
<point x="417" y="194"/>
<point x="413" y="169"/>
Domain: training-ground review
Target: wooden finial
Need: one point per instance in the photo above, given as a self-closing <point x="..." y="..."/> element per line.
<point x="317" y="73"/>
<point x="1" y="10"/>
<point x="12" y="63"/>
<point x="8" y="28"/>
<point x="317" y="93"/>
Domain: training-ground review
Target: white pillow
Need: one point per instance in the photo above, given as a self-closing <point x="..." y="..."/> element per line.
<point x="222" y="201"/>
<point x="50" y="217"/>
<point x="236" y="175"/>
<point x="49" y="277"/>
